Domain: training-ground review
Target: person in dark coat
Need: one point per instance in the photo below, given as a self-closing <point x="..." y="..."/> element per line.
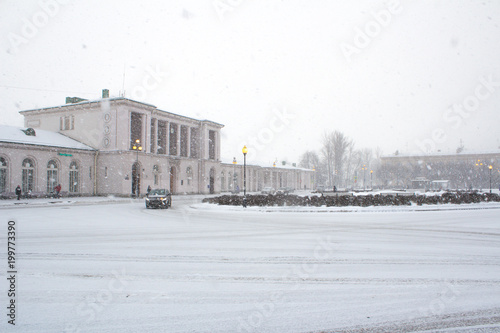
<point x="148" y="190"/>
<point x="18" y="192"/>
<point x="58" y="190"/>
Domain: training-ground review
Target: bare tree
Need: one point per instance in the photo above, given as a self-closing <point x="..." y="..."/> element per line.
<point x="352" y="163"/>
<point x="309" y="160"/>
<point x="334" y="152"/>
<point x="341" y="144"/>
<point x="327" y="153"/>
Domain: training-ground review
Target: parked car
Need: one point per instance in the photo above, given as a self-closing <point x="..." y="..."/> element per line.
<point x="267" y="190"/>
<point x="159" y="198"/>
<point x="284" y="190"/>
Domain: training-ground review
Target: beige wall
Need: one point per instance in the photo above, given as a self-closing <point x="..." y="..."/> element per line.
<point x="16" y="153"/>
<point x="115" y="173"/>
<point x="105" y="124"/>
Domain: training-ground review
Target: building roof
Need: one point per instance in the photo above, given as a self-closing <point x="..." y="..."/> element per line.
<point x="120" y="99"/>
<point x="267" y="165"/>
<point x="12" y="134"/>
<point x="463" y="154"/>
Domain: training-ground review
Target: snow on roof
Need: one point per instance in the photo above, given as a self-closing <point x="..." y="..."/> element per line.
<point x="267" y="165"/>
<point x="14" y="134"/>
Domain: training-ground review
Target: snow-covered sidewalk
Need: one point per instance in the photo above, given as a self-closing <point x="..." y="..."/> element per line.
<point x="93" y="200"/>
<point x="44" y="202"/>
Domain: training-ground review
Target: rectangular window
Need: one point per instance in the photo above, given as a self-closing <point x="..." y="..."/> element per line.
<point x="153" y="135"/>
<point x="173" y="139"/>
<point x="135" y="128"/>
<point x="184" y="141"/>
<point x="194" y="142"/>
<point x="105" y="172"/>
<point x="67" y="123"/>
<point x="162" y="137"/>
<point x="211" y="145"/>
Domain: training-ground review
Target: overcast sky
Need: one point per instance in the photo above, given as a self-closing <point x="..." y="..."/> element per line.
<point x="411" y="76"/>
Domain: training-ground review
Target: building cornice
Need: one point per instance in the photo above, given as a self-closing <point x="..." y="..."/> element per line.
<point x="117" y="101"/>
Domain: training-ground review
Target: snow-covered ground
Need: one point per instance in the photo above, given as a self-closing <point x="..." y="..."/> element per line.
<point x="110" y="265"/>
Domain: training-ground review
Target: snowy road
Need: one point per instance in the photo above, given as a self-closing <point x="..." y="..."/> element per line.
<point x="117" y="267"/>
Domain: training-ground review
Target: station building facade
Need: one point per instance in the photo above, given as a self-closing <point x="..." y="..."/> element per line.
<point x="121" y="146"/>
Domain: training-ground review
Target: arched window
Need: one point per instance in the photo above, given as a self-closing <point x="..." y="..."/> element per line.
<point x="28" y="168"/>
<point x="156" y="174"/>
<point x="3" y="175"/>
<point x="189" y="173"/>
<point x="222" y="181"/>
<point x="52" y="176"/>
<point x="73" y="177"/>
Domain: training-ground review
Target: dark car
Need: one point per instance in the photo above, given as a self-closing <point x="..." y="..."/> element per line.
<point x="159" y="198"/>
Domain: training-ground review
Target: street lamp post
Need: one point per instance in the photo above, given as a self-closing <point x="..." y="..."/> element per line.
<point x="490" y="167"/>
<point x="371" y="179"/>
<point x="137" y="147"/>
<point x="245" y="151"/>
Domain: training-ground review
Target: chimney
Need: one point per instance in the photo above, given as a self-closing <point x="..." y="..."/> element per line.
<point x="105" y="93"/>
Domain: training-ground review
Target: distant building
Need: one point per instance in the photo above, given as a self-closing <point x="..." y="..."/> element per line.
<point x="463" y="170"/>
<point x="120" y="146"/>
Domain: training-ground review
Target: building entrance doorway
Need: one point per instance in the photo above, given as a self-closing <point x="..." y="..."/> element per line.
<point x="136" y="179"/>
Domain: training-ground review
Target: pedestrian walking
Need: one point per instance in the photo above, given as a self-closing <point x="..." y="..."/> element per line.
<point x="18" y="192"/>
<point x="58" y="190"/>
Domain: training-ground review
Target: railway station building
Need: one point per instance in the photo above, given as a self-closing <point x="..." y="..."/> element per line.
<point x="119" y="146"/>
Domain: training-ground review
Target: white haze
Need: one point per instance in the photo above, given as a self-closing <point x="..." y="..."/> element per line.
<point x="242" y="62"/>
